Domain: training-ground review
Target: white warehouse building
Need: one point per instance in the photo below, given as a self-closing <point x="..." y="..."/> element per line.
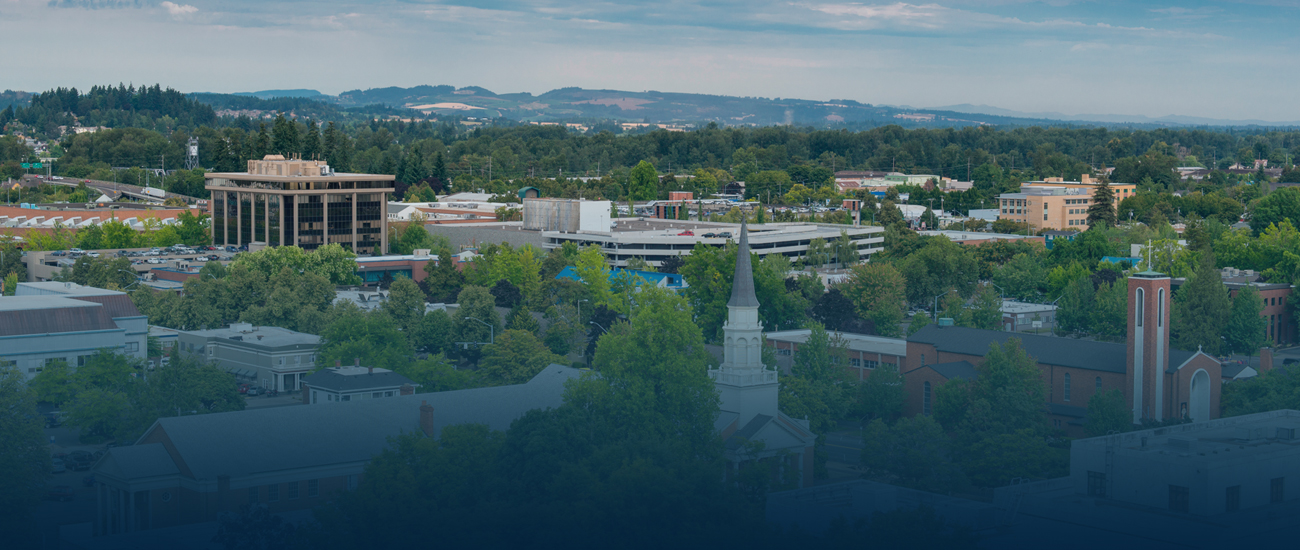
<point x="52" y="321"/>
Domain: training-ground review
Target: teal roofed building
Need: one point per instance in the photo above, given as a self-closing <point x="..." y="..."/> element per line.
<point x="671" y="281"/>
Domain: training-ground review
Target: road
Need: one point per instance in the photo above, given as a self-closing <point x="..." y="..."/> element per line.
<point x="99" y="185"/>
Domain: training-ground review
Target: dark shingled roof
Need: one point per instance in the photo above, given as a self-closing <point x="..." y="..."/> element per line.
<point x="742" y="285"/>
<point x="70" y="317"/>
<point x="747" y="432"/>
<point x="1052" y="350"/>
<point x="958" y="369"/>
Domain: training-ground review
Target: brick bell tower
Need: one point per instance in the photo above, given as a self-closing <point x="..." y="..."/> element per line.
<point x="1148" y="343"/>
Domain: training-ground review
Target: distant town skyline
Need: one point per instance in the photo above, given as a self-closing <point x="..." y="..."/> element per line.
<point x="1226" y="60"/>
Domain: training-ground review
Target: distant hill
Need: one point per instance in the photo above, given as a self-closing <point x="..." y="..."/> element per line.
<point x="1168" y="120"/>
<point x="15" y="98"/>
<point x="271" y="94"/>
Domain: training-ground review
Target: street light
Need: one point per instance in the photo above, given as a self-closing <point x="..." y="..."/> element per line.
<point x="935" y="311"/>
<point x="598" y="325"/>
<point x="491" y="330"/>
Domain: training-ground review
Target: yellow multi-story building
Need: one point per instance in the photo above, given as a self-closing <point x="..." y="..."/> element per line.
<point x="1056" y="204"/>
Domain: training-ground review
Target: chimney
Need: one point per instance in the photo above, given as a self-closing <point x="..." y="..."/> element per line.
<point x="338" y="363"/>
<point x="1265" y="360"/>
<point x="406" y="389"/>
<point x="426" y="418"/>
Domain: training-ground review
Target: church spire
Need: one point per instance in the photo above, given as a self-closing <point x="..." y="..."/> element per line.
<point x="742" y="285"/>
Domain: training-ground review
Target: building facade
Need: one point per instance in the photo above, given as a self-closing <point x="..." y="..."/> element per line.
<point x="1159" y="382"/>
<point x="338" y="384"/>
<point x="272" y="357"/>
<point x="299" y="203"/>
<point x="866" y="353"/>
<point x="1056" y="204"/>
<point x="53" y="321"/>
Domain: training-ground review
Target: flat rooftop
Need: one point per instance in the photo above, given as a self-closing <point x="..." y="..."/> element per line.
<point x="61" y="288"/>
<point x="1225" y="441"/>
<point x="262" y="336"/>
<point x="972" y="235"/>
<point x="26" y="303"/>
<point x="856" y="342"/>
<point x="1011" y="306"/>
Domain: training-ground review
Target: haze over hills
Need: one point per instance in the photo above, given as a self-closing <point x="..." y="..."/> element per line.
<point x="1173" y="120"/>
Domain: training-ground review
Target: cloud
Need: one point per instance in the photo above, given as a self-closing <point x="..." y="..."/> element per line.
<point x="96" y="4"/>
<point x="179" y="10"/>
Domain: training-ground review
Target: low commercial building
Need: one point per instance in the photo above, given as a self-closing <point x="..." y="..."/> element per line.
<point x="1027" y="317"/>
<point x="353" y="383"/>
<point x="375" y="269"/>
<point x="866" y="352"/>
<point x="1203" y="469"/>
<point x="47" y="322"/>
<point x="272" y="357"/>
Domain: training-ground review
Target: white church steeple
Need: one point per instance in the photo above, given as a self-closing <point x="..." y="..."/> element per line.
<point x="746" y="386"/>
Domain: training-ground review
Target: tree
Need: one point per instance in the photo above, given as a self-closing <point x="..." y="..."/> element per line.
<point x="253" y="528"/>
<point x="1021" y="277"/>
<point x="1101" y="213"/>
<point x="1007" y="395"/>
<point x="938" y="266"/>
<point x="405" y="304"/>
<point x="1283" y="204"/>
<point x="986" y="311"/>
<point x="444" y="281"/>
<point x="477" y="312"/>
<point x="1245" y="330"/>
<point x="881" y="396"/>
<point x="1201" y="309"/>
<point x="643" y="182"/>
<point x="54" y="384"/>
<point x="373" y="338"/>
<point x="878" y="292"/>
<point x="25" y="462"/>
<point x="507" y="295"/>
<point x="515" y="358"/>
<point x="915" y="451"/>
<point x="1108" y="413"/>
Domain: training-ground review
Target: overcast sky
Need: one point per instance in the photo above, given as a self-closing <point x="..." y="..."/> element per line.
<point x="1213" y="59"/>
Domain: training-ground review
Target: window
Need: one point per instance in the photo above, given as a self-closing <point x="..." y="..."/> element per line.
<point x="347" y="398"/>
<point x="1160" y="308"/>
<point x="1097" y="484"/>
<point x="1178" y="498"/>
<point x="313" y="488"/>
<point x="314" y="397"/>
<point x="925" y="400"/>
<point x="1067" y="386"/>
<point x="293" y="491"/>
<point x="1139" y="295"/>
<point x="35" y="369"/>
<point x="252" y="495"/>
<point x="1232" y="499"/>
<point x="1098" y="383"/>
<point x="1277" y="489"/>
<point x="81" y="360"/>
<point x="871" y="364"/>
<point x="352" y="482"/>
<point x="855" y="362"/>
<point x="132" y="346"/>
<point x="388" y="394"/>
<point x="8" y="363"/>
<point x="377" y="395"/>
<point x="783" y="351"/>
<point x="273" y="492"/>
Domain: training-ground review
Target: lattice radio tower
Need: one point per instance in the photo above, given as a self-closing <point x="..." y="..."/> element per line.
<point x="192" y="154"/>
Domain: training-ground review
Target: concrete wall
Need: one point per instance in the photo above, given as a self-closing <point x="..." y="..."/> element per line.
<point x="462" y="236"/>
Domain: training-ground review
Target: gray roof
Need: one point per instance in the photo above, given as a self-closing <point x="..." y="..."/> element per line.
<point x="329" y="380"/>
<point x="742" y="285"/>
<point x="958" y="369"/>
<point x="137" y="461"/>
<point x="254" y="441"/>
<point x="271" y="337"/>
<point x="1052" y="350"/>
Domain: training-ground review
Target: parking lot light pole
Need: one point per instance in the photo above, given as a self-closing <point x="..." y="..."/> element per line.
<point x="491" y="330"/>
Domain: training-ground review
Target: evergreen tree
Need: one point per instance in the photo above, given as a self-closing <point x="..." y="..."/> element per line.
<point x="1245" y="330"/>
<point x="1201" y="309"/>
<point x="643" y="182"/>
<point x="311" y="145"/>
<point x="1102" y="211"/>
<point x="261" y="145"/>
<point x="285" y="137"/>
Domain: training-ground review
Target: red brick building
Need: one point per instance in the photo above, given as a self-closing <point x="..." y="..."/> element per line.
<point x="1158" y="382"/>
<point x="866" y="353"/>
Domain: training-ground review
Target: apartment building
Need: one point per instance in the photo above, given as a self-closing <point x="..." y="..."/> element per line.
<point x="1054" y="204"/>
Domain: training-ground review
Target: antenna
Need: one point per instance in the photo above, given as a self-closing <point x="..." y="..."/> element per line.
<point x="192" y="154"/>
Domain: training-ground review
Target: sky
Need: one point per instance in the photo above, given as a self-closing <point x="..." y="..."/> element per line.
<point x="1228" y="60"/>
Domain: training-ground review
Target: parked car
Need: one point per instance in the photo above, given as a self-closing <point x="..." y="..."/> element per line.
<point x="76" y="251"/>
<point x="252" y="392"/>
<point x="59" y="466"/>
<point x="687" y="233"/>
<point x="59" y="253"/>
<point x="725" y="234"/>
<point x="93" y="254"/>
<point x="79" y="461"/>
<point x="60" y="492"/>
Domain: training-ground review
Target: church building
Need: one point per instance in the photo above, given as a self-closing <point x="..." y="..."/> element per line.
<point x="750" y="420"/>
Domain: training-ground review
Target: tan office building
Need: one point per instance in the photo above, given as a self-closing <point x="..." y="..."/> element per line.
<point x="300" y="203"/>
<point x="1056" y="204"/>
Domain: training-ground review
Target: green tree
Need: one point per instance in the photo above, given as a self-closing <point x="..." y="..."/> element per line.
<point x="915" y="451"/>
<point x="986" y="310"/>
<point x="405" y="304"/>
<point x="1021" y="278"/>
<point x="444" y="281"/>
<point x="1101" y="213"/>
<point x="1107" y="413"/>
<point x="374" y="338"/>
<point x="475" y="321"/>
<point x="1245" y="330"/>
<point x="1201" y="309"/>
<point x="939" y="265"/>
<point x="24" y="461"/>
<point x="1283" y="204"/>
<point x="643" y="182"/>
<point x="54" y="384"/>
<point x="515" y="358"/>
<point x="878" y="293"/>
<point x="881" y="395"/>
